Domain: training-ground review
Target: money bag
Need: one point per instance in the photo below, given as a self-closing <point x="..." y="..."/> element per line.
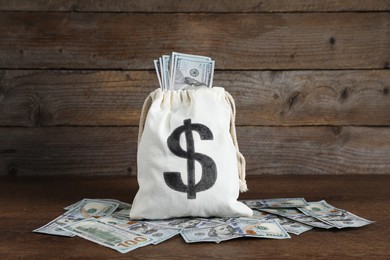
<point x="188" y="159"/>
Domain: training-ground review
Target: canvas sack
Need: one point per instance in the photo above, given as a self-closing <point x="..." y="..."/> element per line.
<point x="188" y="158"/>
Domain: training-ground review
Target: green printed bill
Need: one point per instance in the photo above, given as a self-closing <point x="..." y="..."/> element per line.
<point x="121" y="204"/>
<point x="179" y="71"/>
<point x="107" y="222"/>
<point x="289" y="225"/>
<point x="185" y="223"/>
<point x="298" y="216"/>
<point x="262" y="228"/>
<point x="217" y="233"/>
<point x="158" y="233"/>
<point x="338" y="218"/>
<point x="107" y="235"/>
<point x="86" y="208"/>
<point x="237" y="228"/>
<point x="276" y="203"/>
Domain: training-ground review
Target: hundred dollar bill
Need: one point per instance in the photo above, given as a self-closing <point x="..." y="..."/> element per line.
<point x="179" y="70"/>
<point x="124" y="212"/>
<point x="298" y="216"/>
<point x="121" y="204"/>
<point x="337" y="217"/>
<point x="184" y="223"/>
<point x="218" y="233"/>
<point x="276" y="203"/>
<point x="165" y="60"/>
<point x="108" y="235"/>
<point x="175" y="55"/>
<point x="262" y="228"/>
<point x="192" y="73"/>
<point x="158" y="72"/>
<point x="321" y="208"/>
<point x="289" y="225"/>
<point x="85" y="209"/>
<point x="54" y="227"/>
<point x="158" y="233"/>
<point x="221" y="219"/>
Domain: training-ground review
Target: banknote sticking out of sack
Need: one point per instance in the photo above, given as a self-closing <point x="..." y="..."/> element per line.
<point x="189" y="163"/>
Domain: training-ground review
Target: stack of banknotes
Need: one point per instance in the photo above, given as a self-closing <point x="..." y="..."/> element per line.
<point x="182" y="71"/>
<point x="106" y="222"/>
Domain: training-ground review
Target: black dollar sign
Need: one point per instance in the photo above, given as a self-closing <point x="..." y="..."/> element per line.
<point x="209" y="169"/>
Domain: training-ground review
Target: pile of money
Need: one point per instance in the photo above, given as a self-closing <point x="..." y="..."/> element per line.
<point x="106" y="222"/>
<point x="182" y="71"/>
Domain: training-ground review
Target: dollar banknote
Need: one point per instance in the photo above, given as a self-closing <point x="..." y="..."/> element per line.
<point x="121" y="204"/>
<point x="107" y="222"/>
<point x="289" y="225"/>
<point x="298" y="216"/>
<point x="184" y="223"/>
<point x="108" y="235"/>
<point x="276" y="203"/>
<point x="183" y="71"/>
<point x="217" y="233"/>
<point x="334" y="216"/>
<point x="158" y="233"/>
<point x="187" y="72"/>
<point x="54" y="227"/>
<point x="262" y="228"/>
<point x="86" y="208"/>
<point x="157" y="67"/>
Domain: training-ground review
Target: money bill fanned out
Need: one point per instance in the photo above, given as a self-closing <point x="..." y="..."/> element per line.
<point x="337" y="217"/>
<point x="158" y="233"/>
<point x="276" y="203"/>
<point x="84" y="209"/>
<point x="158" y="72"/>
<point x="183" y="71"/>
<point x="289" y="225"/>
<point x="107" y="222"/>
<point x="218" y="233"/>
<point x="298" y="216"/>
<point x="108" y="235"/>
<point x="184" y="223"/>
<point x="262" y="228"/>
<point x="121" y="204"/>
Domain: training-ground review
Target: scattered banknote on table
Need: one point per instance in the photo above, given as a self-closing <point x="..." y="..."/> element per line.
<point x="183" y="71"/>
<point x="339" y="218"/>
<point x="108" y="235"/>
<point x="107" y="222"/>
<point x="276" y="203"/>
<point x="84" y="209"/>
<point x="216" y="233"/>
<point x="262" y="228"/>
<point x="289" y="225"/>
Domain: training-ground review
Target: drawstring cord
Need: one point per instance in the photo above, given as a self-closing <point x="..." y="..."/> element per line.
<point x="240" y="157"/>
<point x="144" y="112"/>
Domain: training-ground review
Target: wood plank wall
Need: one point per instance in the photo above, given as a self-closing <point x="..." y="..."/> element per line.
<point x="311" y="81"/>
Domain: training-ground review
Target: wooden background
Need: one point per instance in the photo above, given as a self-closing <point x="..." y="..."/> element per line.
<point x="311" y="81"/>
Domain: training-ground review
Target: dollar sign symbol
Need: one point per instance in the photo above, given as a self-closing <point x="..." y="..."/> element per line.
<point x="209" y="169"/>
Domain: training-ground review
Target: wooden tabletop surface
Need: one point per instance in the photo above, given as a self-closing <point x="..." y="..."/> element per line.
<point x="30" y="202"/>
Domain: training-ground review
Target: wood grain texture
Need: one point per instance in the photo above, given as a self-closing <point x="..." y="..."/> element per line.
<point x="195" y="6"/>
<point x="235" y="41"/>
<point x="74" y="150"/>
<point x="115" y="98"/>
<point x="364" y="195"/>
<point x="268" y="150"/>
<point x="315" y="150"/>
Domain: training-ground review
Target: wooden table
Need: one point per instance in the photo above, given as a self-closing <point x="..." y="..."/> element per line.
<point x="30" y="202"/>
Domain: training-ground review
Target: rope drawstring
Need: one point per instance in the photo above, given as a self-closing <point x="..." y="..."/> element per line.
<point x="144" y="112"/>
<point x="240" y="157"/>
